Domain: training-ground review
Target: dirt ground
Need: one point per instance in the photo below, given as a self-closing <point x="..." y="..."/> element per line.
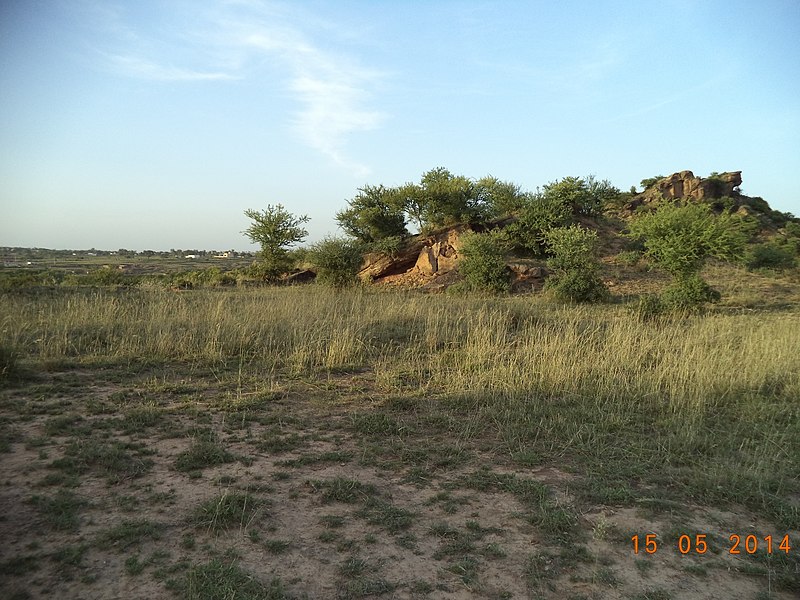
<point x="128" y="485"/>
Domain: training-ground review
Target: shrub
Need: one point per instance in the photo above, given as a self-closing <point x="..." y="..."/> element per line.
<point x="484" y="261"/>
<point x="688" y="294"/>
<point x="337" y="260"/>
<point x="679" y="238"/>
<point x="771" y="255"/>
<point x="574" y="277"/>
<point x="577" y="286"/>
<point x="538" y="214"/>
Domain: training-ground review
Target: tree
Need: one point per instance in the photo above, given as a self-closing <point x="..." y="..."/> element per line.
<point x="585" y="195"/>
<point x="375" y="213"/>
<point x="275" y="229"/>
<point x="501" y="198"/>
<point x="537" y="215"/>
<point x="680" y="237"/>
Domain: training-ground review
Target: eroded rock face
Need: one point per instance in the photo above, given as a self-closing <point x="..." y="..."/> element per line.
<point x="685" y="185"/>
<point x="425" y="259"/>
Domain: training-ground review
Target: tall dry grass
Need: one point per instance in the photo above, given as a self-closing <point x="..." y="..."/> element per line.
<point x="707" y="403"/>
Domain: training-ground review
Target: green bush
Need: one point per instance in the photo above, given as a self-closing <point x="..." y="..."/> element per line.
<point x="483" y="262"/>
<point x="574" y="275"/>
<point x="771" y="255"/>
<point x="538" y="214"/>
<point x="577" y="286"/>
<point x="337" y="261"/>
<point x="688" y="294"/>
<point x="680" y="237"/>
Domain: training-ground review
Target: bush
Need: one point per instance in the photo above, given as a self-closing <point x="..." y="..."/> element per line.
<point x="679" y="238"/>
<point x="574" y="267"/>
<point x="688" y="294"/>
<point x="337" y="261"/>
<point x="484" y="261"/>
<point x="538" y="214"/>
<point x="577" y="286"/>
<point x="771" y="255"/>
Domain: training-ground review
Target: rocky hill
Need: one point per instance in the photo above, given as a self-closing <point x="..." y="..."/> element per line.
<point x="430" y="261"/>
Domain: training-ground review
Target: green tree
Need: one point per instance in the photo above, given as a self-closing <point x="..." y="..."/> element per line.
<point x="680" y="237"/>
<point x="573" y="265"/>
<point x="500" y="198"/>
<point x="275" y="229"/>
<point x="446" y="199"/>
<point x="375" y="213"/>
<point x="585" y="195"/>
<point x="536" y="216"/>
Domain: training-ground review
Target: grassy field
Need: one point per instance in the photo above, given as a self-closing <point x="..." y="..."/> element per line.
<point x="300" y="442"/>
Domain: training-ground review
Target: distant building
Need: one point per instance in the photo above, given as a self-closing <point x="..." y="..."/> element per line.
<point x="190" y="256"/>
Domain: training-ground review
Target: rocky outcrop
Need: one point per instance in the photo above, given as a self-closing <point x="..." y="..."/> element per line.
<point x="425" y="259"/>
<point x="526" y="276"/>
<point x="685" y="185"/>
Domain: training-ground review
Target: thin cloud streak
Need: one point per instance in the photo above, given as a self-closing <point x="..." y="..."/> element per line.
<point x="137" y="67"/>
<point x="331" y="90"/>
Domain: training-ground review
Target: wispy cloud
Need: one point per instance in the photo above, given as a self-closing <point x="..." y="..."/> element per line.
<point x="138" y="67"/>
<point x="249" y="40"/>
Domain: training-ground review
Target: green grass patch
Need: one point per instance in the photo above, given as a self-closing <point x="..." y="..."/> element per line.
<point x="117" y="461"/>
<point x="201" y="454"/>
<point x="219" y="579"/>
<point x="129" y="533"/>
<point x="228" y="510"/>
<point x="60" y="511"/>
<point x="340" y="489"/>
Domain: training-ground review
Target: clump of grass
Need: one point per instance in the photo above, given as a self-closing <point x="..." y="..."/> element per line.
<point x="333" y="456"/>
<point x="220" y="579"/>
<point x="8" y="363"/>
<point x="118" y="461"/>
<point x="141" y="418"/>
<point x="129" y="533"/>
<point x="277" y="444"/>
<point x="378" y="423"/>
<point x="277" y="546"/>
<point x="344" y="490"/>
<point x="227" y="510"/>
<point x="202" y="453"/>
<point x="360" y="581"/>
<point x="61" y="510"/>
<point x="387" y="516"/>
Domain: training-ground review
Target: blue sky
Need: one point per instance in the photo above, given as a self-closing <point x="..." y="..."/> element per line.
<point x="154" y="125"/>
